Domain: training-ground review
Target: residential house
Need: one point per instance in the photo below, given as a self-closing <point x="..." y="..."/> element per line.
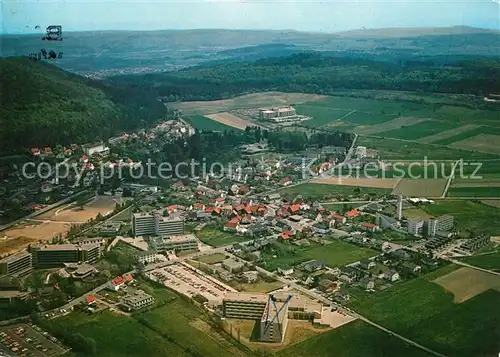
<point x="341" y="296"/>
<point x="321" y="228"/>
<point x="285" y="270"/>
<point x="116" y="283"/>
<point x="285" y="181"/>
<point x="250" y="277"/>
<point x="367" y="284"/>
<point x="327" y="285"/>
<point x="339" y="219"/>
<point x="391" y="275"/>
<point x="312" y="266"/>
<point x="369" y="227"/>
<point x="367" y="264"/>
<point x="352" y="213"/>
<point x="90" y="300"/>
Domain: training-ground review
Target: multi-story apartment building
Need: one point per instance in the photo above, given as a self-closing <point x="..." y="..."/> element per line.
<point x="415" y="227"/>
<point x="55" y="255"/>
<point x="440" y="224"/>
<point x="137" y="300"/>
<point x="17" y="264"/>
<point x="144" y="224"/>
<point x="173" y="243"/>
<point x="146" y="257"/>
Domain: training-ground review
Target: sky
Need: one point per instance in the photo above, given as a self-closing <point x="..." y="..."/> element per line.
<point x="21" y="16"/>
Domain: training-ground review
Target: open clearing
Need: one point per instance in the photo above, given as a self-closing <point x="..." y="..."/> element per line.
<point x="389" y="125"/>
<point x="18" y="238"/>
<point x="102" y="205"/>
<point x="419" y="130"/>
<point x="420" y="187"/>
<point x="231" y="120"/>
<point x="362" y="182"/>
<point x="465" y="283"/>
<point x="254" y="100"/>
<point x="481" y="142"/>
<point x="448" y="133"/>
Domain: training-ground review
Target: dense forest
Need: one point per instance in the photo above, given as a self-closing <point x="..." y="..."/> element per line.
<point x="321" y="74"/>
<point x="41" y="104"/>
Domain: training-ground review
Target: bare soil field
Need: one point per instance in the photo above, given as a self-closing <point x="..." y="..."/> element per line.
<point x="420" y="187"/>
<point x="448" y="133"/>
<point x="482" y="142"/>
<point x="70" y="213"/>
<point x="465" y="283"/>
<point x="388" y="125"/>
<point x="362" y="182"/>
<point x="18" y="238"/>
<point x="254" y="100"/>
<point x="231" y="120"/>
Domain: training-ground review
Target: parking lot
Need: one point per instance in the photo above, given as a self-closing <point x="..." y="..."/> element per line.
<point x="190" y="281"/>
<point x="29" y="340"/>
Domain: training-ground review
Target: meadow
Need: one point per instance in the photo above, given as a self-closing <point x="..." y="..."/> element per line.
<point x="334" y="254"/>
<point x="419" y="130"/>
<point x="468" y="134"/>
<point x="423" y="311"/>
<point x="317" y="191"/>
<point x="486" y="261"/>
<point x="217" y="238"/>
<point x="474" y="192"/>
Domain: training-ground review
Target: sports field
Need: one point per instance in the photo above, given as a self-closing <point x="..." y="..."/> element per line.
<point x="465" y="283"/>
<point x="231" y="120"/>
<point x="424" y="312"/>
<point x="420" y="187"/>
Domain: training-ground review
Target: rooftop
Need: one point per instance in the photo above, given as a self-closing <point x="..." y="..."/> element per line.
<point x="15" y="257"/>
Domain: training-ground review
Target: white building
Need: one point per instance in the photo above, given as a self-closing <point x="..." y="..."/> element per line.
<point x="146" y="257"/>
<point x="91" y="149"/>
<point x="138" y="300"/>
<point x="144" y="224"/>
<point x="173" y="243"/>
<point x="415" y="227"/>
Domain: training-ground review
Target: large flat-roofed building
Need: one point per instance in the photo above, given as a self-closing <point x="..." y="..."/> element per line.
<point x="274" y="320"/>
<point x="442" y="223"/>
<point x="55" y="255"/>
<point x="278" y="114"/>
<point x="173" y="243"/>
<point x="154" y="223"/>
<point x="137" y="300"/>
<point x="17" y="264"/>
<point x="415" y="227"/>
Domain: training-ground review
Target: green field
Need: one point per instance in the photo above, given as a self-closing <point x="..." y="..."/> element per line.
<point x="218" y="238"/>
<point x="203" y="123"/>
<point x="317" y="191"/>
<point x="392" y="149"/>
<point x="469" y="134"/>
<point x="469" y="216"/>
<point x="341" y="206"/>
<point x="474" y="192"/>
<point x="212" y="258"/>
<point x="419" y="130"/>
<point x="366" y="118"/>
<point x="485" y="261"/>
<point x="423" y="311"/>
<point x="320" y="115"/>
<point x="356" y="339"/>
<point x="334" y="254"/>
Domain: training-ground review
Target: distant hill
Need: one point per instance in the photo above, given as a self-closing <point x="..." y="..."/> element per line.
<point x="107" y="53"/>
<point x="41" y="104"/>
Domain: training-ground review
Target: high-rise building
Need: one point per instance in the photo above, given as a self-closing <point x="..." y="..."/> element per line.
<point x="17" y="264"/>
<point x="55" y="255"/>
<point x="442" y="223"/>
<point x="415" y="227"/>
<point x="146" y="224"/>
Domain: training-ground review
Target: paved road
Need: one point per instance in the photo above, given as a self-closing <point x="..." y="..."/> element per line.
<point x="46" y="209"/>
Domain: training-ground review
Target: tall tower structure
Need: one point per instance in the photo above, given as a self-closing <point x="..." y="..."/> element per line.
<point x="400" y="207"/>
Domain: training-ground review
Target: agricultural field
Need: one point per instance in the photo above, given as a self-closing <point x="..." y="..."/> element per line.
<point x="217" y="238"/>
<point x="419" y="130"/>
<point x="317" y="191"/>
<point x="334" y="254"/>
<point x="394" y="124"/>
<point x="320" y="115"/>
<point x="355" y="339"/>
<point x="474" y="192"/>
<point x="474" y="217"/>
<point x="393" y="149"/>
<point x="416" y="213"/>
<point x="254" y="100"/>
<point x="468" y="134"/>
<point x="416" y="170"/>
<point x="482" y="142"/>
<point x="465" y="283"/>
<point x="423" y="311"/>
<point x="490" y="261"/>
<point x="357" y="182"/>
<point x="420" y="187"/>
<point x="435" y="138"/>
<point x="201" y="122"/>
<point x="231" y="120"/>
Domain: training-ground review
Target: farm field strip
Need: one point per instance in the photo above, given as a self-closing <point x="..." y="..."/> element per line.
<point x="231" y="120"/>
<point x="448" y="133"/>
<point x="393" y="124"/>
<point x="419" y="130"/>
<point x="419" y="187"/>
<point x="361" y="182"/>
<point x="473" y="192"/>
<point x="482" y="142"/>
<point x="480" y="129"/>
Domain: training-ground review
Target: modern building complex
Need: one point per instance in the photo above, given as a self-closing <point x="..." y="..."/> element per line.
<point x="137" y="300"/>
<point x="278" y="114"/>
<point x="173" y="243"/>
<point x="415" y="227"/>
<point x="441" y="224"/>
<point x="17" y="264"/>
<point x="144" y="224"/>
<point x="146" y="257"/>
<point x="474" y="244"/>
<point x="272" y="311"/>
<point x="55" y="255"/>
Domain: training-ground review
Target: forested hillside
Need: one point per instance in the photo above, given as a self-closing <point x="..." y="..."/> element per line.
<point x="316" y="73"/>
<point x="41" y="104"/>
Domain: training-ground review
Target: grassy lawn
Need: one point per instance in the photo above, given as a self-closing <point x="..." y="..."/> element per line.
<point x="125" y="215"/>
<point x="356" y="339"/>
<point x="485" y="261"/>
<point x="419" y="130"/>
<point x="317" y="191"/>
<point x="473" y="192"/>
<point x="365" y="118"/>
<point x="423" y="311"/>
<point x="335" y="254"/>
<point x="398" y="150"/>
<point x="218" y="238"/>
<point x="416" y="213"/>
<point x="203" y="123"/>
<point x="259" y="286"/>
<point x="212" y="259"/>
<point x="469" y="216"/>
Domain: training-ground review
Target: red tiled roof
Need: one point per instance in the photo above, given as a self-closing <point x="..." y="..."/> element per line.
<point x="128" y="277"/>
<point x="295" y="208"/>
<point x="118" y="280"/>
<point x="217" y="210"/>
<point x="284" y="236"/>
<point x="231" y="224"/>
<point x="337" y="216"/>
<point x="90" y="299"/>
<point x="368" y="225"/>
<point x="352" y="213"/>
<point x="172" y="207"/>
<point x="287" y="232"/>
<point x="198" y="205"/>
<point x="235" y="219"/>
